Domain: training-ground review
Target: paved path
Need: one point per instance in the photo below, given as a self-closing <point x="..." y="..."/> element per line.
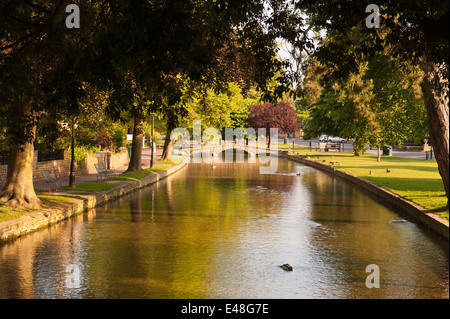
<point x="348" y="147"/>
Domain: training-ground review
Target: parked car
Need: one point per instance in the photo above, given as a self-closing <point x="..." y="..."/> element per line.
<point x="323" y="138"/>
<point x="336" y="139"/>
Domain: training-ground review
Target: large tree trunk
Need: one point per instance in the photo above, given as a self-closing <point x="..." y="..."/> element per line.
<point x="19" y="189"/>
<point x="168" y="144"/>
<point x="435" y="90"/>
<point x="138" y="139"/>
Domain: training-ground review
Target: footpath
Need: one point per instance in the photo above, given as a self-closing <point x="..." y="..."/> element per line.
<point x="39" y="219"/>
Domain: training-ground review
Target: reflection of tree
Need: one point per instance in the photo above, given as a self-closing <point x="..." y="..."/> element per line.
<point x="169" y="198"/>
<point x="37" y="263"/>
<point x="136" y="207"/>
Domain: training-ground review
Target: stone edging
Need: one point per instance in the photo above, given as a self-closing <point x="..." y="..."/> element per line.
<point x="425" y="217"/>
<point x="36" y="220"/>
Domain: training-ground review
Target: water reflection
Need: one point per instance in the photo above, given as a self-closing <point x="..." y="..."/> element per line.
<point x="222" y="233"/>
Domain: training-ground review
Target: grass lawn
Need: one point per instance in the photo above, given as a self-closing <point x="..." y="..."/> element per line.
<point x="91" y="187"/>
<point x="417" y="180"/>
<point x="132" y="176"/>
<point x="7" y="213"/>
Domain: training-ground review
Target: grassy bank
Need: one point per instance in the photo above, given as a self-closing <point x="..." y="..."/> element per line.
<point x="417" y="180"/>
<point x="7" y="213"/>
<point x="132" y="176"/>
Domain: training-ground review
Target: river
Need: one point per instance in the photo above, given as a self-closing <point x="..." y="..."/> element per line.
<point x="223" y="232"/>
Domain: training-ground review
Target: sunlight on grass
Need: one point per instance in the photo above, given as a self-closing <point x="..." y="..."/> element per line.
<point x="135" y="175"/>
<point x="91" y="187"/>
<point x="7" y="213"/>
<point x="167" y="162"/>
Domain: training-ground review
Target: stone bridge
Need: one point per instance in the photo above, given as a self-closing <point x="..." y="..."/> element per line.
<point x="214" y="149"/>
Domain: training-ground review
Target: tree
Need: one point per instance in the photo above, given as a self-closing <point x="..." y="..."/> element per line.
<point x="282" y="116"/>
<point x="151" y="40"/>
<point x="220" y="109"/>
<point x="207" y="42"/>
<point x="380" y="104"/>
<point x="413" y="32"/>
<point x="28" y="38"/>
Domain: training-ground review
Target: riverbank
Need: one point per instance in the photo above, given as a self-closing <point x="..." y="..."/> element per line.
<point x="82" y="202"/>
<point x="371" y="175"/>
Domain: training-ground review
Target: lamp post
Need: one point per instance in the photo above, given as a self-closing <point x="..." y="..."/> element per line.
<point x="72" y="160"/>
<point x="152" y="161"/>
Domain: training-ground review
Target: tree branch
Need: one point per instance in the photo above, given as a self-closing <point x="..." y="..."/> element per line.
<point x="35" y="6"/>
<point x="58" y="14"/>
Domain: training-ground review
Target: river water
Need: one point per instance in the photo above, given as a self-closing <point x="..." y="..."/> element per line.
<point x="223" y="232"/>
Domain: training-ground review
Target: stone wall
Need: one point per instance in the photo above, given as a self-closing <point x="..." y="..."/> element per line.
<point x="62" y="167"/>
<point x="110" y="160"/>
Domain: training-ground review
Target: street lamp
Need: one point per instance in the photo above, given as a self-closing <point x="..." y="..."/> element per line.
<point x="152" y="163"/>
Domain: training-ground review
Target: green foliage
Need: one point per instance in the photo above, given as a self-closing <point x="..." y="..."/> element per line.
<point x="380" y="104"/>
<point x="227" y="108"/>
<point x="80" y="156"/>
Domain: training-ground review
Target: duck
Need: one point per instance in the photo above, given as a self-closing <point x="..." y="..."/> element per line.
<point x="286" y="267"/>
<point x="371" y="173"/>
<point x="388" y="170"/>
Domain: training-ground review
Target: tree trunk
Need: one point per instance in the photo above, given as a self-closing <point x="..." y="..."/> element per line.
<point x="138" y="139"/>
<point x="379" y="154"/>
<point x="168" y="144"/>
<point x="19" y="189"/>
<point x="435" y="91"/>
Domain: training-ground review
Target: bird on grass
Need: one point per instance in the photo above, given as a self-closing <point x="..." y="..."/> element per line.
<point x="388" y="170"/>
<point x="371" y="173"/>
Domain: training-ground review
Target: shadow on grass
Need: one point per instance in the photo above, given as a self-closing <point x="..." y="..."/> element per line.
<point x="370" y="162"/>
<point x="425" y="185"/>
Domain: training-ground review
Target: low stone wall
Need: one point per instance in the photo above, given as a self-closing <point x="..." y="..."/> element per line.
<point x="62" y="167"/>
<point x="30" y="222"/>
<point x="111" y="161"/>
<point x="423" y="216"/>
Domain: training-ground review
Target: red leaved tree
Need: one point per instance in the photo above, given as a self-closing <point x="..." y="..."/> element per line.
<point x="282" y="116"/>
